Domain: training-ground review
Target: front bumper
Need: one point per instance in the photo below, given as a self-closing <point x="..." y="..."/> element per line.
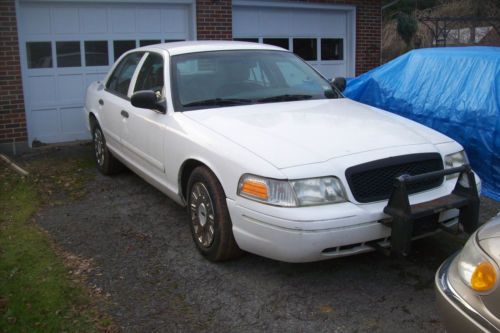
<point x="290" y="240"/>
<point x="456" y="313"/>
<point x="316" y="233"/>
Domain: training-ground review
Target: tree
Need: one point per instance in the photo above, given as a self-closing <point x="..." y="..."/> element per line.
<point x="407" y="27"/>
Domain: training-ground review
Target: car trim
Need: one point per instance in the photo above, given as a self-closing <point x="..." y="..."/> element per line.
<point x="445" y="287"/>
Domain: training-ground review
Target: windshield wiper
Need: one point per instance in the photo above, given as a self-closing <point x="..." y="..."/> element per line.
<point x="219" y="102"/>
<point x="285" y="98"/>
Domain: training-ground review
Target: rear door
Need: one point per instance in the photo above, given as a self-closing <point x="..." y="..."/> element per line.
<point x="143" y="132"/>
<point x="115" y="99"/>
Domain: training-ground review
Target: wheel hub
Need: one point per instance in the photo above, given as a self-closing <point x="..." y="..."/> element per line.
<point x="99" y="147"/>
<point x="202" y="215"/>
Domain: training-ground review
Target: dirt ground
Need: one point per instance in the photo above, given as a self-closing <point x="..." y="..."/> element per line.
<point x="153" y="279"/>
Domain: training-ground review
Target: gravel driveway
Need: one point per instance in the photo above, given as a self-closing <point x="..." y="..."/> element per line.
<point x="141" y="246"/>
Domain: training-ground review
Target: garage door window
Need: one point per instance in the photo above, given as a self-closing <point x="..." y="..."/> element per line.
<point x="96" y="53"/>
<point x="306" y="48"/>
<point x="332" y="49"/>
<point x="68" y="54"/>
<point x="280" y="42"/>
<point x="122" y="46"/>
<point x="146" y="42"/>
<point x="39" y="54"/>
<point x="119" y="81"/>
<point x="250" y="40"/>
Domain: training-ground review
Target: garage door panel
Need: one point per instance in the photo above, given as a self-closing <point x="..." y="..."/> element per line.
<point x="45" y="124"/>
<point x="65" y="20"/>
<point x="148" y="20"/>
<point x="314" y="23"/>
<point x="122" y="20"/>
<point x="332" y="24"/>
<point x="274" y="21"/>
<point x="41" y="91"/>
<point x="36" y="19"/>
<point x="73" y="120"/>
<point x="244" y="22"/>
<point x="93" y="20"/>
<point x="71" y="89"/>
<point x="175" y="20"/>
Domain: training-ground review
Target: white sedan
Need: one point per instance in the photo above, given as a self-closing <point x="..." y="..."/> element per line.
<point x="266" y="154"/>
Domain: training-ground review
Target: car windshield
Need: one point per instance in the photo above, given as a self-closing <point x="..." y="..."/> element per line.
<point x="228" y="78"/>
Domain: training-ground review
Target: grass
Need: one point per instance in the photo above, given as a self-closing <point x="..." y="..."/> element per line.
<point x="37" y="293"/>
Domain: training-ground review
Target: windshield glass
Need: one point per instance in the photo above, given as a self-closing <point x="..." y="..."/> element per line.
<point x="228" y="78"/>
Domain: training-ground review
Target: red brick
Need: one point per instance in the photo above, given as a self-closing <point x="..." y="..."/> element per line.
<point x="12" y="114"/>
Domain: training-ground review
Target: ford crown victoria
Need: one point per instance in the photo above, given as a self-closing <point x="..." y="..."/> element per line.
<point x="269" y="157"/>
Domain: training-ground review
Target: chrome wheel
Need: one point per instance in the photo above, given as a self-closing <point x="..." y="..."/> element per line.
<point x="99" y="146"/>
<point x="202" y="214"/>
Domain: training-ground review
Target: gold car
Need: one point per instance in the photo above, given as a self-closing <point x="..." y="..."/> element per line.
<point x="468" y="295"/>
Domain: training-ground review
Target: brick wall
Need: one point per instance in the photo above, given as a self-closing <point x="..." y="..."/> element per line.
<point x="214" y="19"/>
<point x="12" y="115"/>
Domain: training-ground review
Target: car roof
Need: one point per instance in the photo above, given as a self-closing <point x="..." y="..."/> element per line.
<point x="175" y="48"/>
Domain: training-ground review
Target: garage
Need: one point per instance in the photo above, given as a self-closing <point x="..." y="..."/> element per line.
<point x="66" y="45"/>
<point x="52" y="49"/>
<point x="322" y="34"/>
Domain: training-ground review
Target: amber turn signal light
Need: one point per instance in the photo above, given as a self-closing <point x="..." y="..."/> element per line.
<point x="255" y="189"/>
<point x="484" y="277"/>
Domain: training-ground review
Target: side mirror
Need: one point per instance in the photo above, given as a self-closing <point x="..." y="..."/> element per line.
<point x="339" y="83"/>
<point x="147" y="99"/>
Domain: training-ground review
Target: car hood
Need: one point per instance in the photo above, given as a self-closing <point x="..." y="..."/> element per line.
<point x="296" y="133"/>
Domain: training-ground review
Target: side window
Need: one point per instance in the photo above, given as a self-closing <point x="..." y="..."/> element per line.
<point x="119" y="81"/>
<point x="151" y="74"/>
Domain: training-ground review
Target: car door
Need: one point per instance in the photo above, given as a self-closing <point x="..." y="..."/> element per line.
<point x="143" y="131"/>
<point x="115" y="99"/>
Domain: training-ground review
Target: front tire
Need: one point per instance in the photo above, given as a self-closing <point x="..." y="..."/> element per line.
<point x="210" y="223"/>
<point x="105" y="161"/>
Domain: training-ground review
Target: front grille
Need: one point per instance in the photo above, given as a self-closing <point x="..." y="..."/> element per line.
<point x="373" y="181"/>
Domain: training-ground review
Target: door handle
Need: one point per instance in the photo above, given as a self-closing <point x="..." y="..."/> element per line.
<point x="101" y="102"/>
<point x="124" y="114"/>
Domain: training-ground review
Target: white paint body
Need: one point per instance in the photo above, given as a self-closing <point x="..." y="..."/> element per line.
<point x="286" y="140"/>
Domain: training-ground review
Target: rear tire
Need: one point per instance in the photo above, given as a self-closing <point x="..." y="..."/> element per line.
<point x="106" y="163"/>
<point x="210" y="222"/>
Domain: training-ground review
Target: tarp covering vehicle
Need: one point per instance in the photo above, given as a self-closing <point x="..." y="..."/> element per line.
<point x="455" y="90"/>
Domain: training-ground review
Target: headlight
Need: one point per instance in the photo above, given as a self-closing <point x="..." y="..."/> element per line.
<point x="292" y="193"/>
<point x="476" y="269"/>
<point x="455" y="160"/>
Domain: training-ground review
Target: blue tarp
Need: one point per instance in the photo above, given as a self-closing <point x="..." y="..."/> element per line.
<point x="455" y="90"/>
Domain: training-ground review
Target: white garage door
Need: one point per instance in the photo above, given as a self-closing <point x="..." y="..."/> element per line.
<point x="66" y="45"/>
<point x="324" y="35"/>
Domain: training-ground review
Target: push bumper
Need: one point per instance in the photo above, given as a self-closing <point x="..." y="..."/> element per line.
<point x="406" y="217"/>
<point x="323" y="232"/>
<point x="456" y="313"/>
